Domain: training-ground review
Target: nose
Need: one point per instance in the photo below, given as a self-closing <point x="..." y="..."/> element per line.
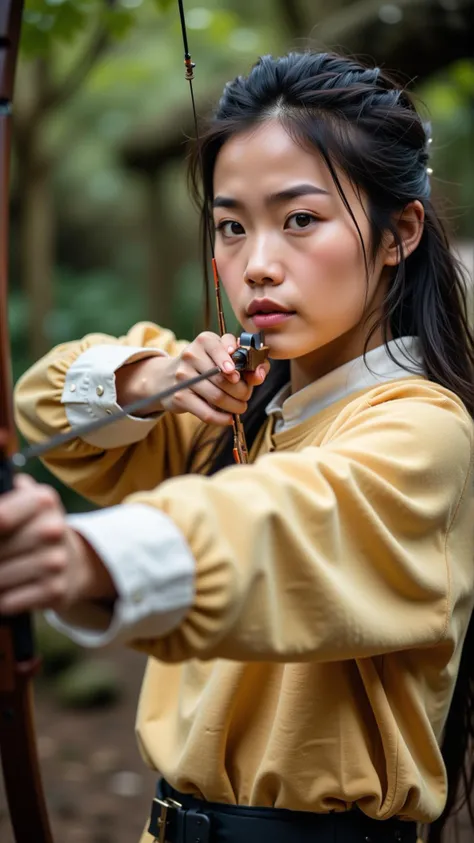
<point x="263" y="266"/>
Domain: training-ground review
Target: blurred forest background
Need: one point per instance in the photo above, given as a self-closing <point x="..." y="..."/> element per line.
<point x="103" y="232"/>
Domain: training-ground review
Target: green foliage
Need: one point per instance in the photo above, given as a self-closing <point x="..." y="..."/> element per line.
<point x="163" y="5"/>
<point x="50" y="22"/>
<point x="449" y="97"/>
<point x="58" y="653"/>
<point x="98" y="301"/>
<point x="89" y="684"/>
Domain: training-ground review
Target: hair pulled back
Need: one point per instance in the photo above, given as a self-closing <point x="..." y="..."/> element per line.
<point x="364" y="124"/>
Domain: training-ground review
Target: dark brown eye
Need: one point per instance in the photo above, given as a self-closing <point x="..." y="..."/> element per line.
<point x="303" y="220"/>
<point x="230" y="228"/>
<point x="300" y="221"/>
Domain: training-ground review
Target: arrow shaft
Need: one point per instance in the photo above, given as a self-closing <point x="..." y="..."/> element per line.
<point x="20" y="459"/>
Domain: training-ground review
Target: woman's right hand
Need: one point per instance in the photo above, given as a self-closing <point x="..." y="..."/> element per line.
<point x="214" y="400"/>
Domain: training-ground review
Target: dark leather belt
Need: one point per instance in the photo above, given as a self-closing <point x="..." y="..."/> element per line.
<point x="180" y="818"/>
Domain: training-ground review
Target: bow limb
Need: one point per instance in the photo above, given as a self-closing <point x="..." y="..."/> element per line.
<point x="21" y="770"/>
<point x="240" y="449"/>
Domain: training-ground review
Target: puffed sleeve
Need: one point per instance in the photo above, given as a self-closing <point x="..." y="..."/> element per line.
<point x="78" y="377"/>
<point x="360" y="546"/>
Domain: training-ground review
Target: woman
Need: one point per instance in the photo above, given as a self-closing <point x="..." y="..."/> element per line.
<point x="305" y="614"/>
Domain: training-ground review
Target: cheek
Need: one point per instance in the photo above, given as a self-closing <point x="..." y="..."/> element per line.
<point x="336" y="281"/>
<point x="339" y="249"/>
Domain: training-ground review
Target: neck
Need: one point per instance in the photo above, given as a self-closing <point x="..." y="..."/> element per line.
<point x="316" y="364"/>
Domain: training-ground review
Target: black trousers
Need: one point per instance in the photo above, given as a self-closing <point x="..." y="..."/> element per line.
<point x="179" y="818"/>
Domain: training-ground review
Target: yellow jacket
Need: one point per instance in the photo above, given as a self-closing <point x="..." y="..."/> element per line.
<point x="334" y="584"/>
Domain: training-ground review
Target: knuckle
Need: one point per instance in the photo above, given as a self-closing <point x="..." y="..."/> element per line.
<point x="52" y="528"/>
<point x="215" y="395"/>
<point x="208" y="416"/>
<point x="47" y="495"/>
<point x="56" y="591"/>
<point x="205" y="337"/>
<point x="55" y="561"/>
<point x="179" y="399"/>
<point x="181" y="374"/>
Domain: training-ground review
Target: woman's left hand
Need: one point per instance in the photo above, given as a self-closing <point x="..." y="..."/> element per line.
<point x="44" y="563"/>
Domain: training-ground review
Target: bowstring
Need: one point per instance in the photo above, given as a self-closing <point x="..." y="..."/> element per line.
<point x="189" y="65"/>
<point x="240" y="450"/>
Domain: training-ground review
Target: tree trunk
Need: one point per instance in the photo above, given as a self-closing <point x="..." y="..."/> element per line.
<point x="36" y="210"/>
<point x="35" y="100"/>
<point x="37" y="247"/>
<point x="159" y="275"/>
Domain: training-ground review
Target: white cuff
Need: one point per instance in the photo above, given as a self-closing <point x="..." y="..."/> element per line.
<point x="89" y="393"/>
<point x="153" y="571"/>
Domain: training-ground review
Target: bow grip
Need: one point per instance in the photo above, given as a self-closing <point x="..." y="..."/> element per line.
<point x="20" y="624"/>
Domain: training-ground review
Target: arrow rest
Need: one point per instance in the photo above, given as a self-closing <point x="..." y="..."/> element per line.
<point x="251" y="353"/>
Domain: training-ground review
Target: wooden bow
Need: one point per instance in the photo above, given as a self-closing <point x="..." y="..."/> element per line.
<point x="18" y="664"/>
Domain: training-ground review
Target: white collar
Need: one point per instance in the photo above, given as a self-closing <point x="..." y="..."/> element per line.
<point x="377" y="367"/>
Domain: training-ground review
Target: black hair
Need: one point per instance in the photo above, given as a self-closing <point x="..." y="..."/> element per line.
<point x="363" y="123"/>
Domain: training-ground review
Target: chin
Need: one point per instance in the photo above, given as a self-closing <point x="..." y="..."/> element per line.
<point x="281" y="350"/>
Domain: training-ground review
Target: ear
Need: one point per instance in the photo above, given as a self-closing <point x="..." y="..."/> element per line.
<point x="409" y="225"/>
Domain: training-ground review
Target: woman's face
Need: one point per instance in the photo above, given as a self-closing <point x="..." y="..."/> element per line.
<point x="289" y="254"/>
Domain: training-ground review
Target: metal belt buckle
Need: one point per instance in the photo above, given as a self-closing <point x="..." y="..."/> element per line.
<point x="165" y="806"/>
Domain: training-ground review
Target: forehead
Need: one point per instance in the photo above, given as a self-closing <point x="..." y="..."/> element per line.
<point x="265" y="156"/>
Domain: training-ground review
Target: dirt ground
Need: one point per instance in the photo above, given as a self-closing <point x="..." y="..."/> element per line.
<point x="97" y="787"/>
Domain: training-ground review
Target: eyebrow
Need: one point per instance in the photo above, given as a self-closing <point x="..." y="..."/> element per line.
<point x="273" y="198"/>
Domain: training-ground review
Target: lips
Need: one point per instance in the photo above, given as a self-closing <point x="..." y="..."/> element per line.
<point x="265" y="306"/>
